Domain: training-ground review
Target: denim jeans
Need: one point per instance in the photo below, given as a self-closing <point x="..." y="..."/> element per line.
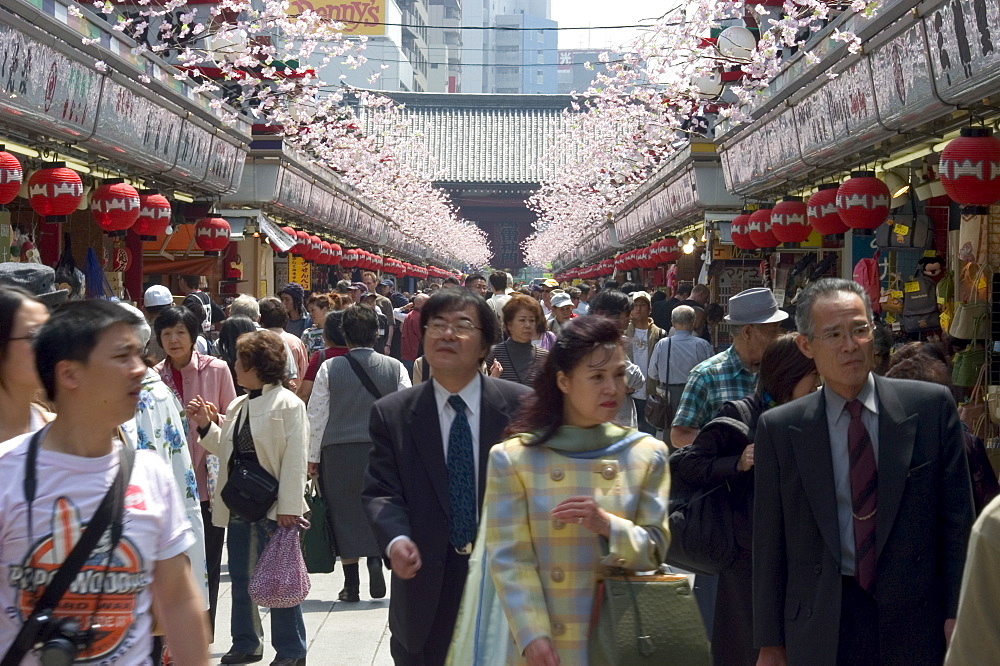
<point x="288" y="632"/>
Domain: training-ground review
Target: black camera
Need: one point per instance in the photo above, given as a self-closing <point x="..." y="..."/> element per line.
<point x="59" y="638"/>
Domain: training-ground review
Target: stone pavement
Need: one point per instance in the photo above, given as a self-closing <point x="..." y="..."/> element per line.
<point x="338" y="633"/>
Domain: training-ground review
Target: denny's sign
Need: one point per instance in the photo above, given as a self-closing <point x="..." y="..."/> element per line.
<point x="360" y="17"/>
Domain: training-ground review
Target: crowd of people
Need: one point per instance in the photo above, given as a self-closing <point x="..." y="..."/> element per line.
<point x="490" y="423"/>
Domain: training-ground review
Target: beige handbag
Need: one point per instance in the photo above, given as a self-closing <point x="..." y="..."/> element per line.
<point x="971" y="319"/>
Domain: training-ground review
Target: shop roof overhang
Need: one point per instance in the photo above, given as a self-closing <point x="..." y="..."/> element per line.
<point x="686" y="188"/>
<point x="896" y="95"/>
<point x="50" y="91"/>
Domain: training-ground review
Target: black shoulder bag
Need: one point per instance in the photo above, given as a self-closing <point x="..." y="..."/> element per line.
<point x="659" y="409"/>
<point x="110" y="512"/>
<point x="363" y="376"/>
<point x="250" y="490"/>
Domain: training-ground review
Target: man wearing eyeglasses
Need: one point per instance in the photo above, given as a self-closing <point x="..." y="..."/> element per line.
<point x="862" y="504"/>
<point x="427" y="472"/>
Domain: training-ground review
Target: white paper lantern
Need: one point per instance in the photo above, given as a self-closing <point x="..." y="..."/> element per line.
<point x="709" y="85"/>
<point x="736" y="42"/>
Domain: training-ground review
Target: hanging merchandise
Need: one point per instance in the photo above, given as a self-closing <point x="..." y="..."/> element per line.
<point x="920" y="304"/>
<point x="211" y="235"/>
<point x="760" y="229"/>
<point x="863" y="201"/>
<point x="970" y="167"/>
<point x="11" y="176"/>
<point x="96" y="281"/>
<point x="739" y="230"/>
<point x="54" y="191"/>
<point x="68" y="276"/>
<point x="115" y="206"/>
<point x="821" y="210"/>
<point x="866" y="273"/>
<point x="971" y="319"/>
<point x="789" y="221"/>
<point x="154" y="215"/>
<point x="905" y="232"/>
<point x="973" y="234"/>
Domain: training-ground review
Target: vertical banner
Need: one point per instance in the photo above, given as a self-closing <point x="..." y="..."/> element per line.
<point x="299" y="271"/>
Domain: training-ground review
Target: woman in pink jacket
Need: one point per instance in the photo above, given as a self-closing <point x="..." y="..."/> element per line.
<point x="189" y="374"/>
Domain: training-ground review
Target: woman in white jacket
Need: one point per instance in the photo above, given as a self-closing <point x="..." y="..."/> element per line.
<point x="268" y="424"/>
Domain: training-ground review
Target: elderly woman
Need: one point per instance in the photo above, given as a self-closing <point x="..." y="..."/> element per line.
<point x="268" y="426"/>
<point x="551" y="523"/>
<point x="346" y="388"/>
<point x="21" y="314"/>
<point x="188" y="374"/>
<point x="518" y="357"/>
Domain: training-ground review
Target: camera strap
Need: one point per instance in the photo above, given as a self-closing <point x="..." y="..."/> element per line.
<point x="111" y="508"/>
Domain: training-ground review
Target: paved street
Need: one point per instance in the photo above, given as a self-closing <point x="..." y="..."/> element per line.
<point x="339" y="634"/>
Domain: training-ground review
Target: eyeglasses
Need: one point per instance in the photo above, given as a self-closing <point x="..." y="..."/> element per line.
<point x="862" y="332"/>
<point x="462" y="329"/>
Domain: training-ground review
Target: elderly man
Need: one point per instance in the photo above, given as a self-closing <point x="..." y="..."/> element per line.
<point x="862" y="504"/>
<point x="732" y="374"/>
<point x="674" y="357"/>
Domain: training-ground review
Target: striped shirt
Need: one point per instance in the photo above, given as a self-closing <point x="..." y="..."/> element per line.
<point x="719" y="379"/>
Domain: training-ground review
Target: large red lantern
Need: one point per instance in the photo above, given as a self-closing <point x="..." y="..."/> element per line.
<point x="336" y="254"/>
<point x="314" y="249"/>
<point x="211" y="234"/>
<point x="350" y="259"/>
<point x="788" y="221"/>
<point x="54" y="191"/>
<point x="115" y="206"/>
<point x="863" y="201"/>
<point x="821" y="210"/>
<point x="154" y="215"/>
<point x="670" y="250"/>
<point x="378" y="262"/>
<point x="301" y="247"/>
<point x="652" y="256"/>
<point x="739" y="230"/>
<point x="11" y="176"/>
<point x="760" y="228"/>
<point x="970" y="167"/>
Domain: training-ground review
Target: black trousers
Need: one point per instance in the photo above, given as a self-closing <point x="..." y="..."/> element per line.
<point x="858" y="641"/>
<point x="435" y="650"/>
<point x="732" y="635"/>
<point x="215" y="540"/>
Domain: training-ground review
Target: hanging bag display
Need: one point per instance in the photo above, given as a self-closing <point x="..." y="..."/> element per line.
<point x="971" y="318"/>
<point x="973" y="411"/>
<point x="920" y="307"/>
<point x="646" y="619"/>
<point x="280" y="579"/>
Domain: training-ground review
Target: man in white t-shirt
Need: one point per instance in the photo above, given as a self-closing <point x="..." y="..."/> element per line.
<point x="84" y="346"/>
<point x="642" y="335"/>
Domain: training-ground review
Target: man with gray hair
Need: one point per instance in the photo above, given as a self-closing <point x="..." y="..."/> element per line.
<point x="674" y="357"/>
<point x="862" y="504"/>
<point x="246" y="305"/>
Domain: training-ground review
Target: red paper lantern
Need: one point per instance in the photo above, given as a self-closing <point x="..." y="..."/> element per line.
<point x="789" y="221"/>
<point x="154" y="215"/>
<point x="970" y="167"/>
<point x="314" y="249"/>
<point x="350" y="259"/>
<point x="863" y="201"/>
<point x="336" y="254"/>
<point x="822" y="210"/>
<point x="378" y="262"/>
<point x="211" y="234"/>
<point x="121" y="259"/>
<point x="302" y="246"/>
<point x="115" y="206"/>
<point x="11" y="176"/>
<point x="670" y="250"/>
<point x="652" y="257"/>
<point x="739" y="229"/>
<point x="55" y="191"/>
<point x="760" y="228"/>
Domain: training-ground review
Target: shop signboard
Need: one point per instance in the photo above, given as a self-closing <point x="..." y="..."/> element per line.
<point x="225" y="165"/>
<point x="965" y="59"/>
<point x="320" y="206"/>
<point x="46" y="90"/>
<point x="293" y="192"/>
<point x="136" y="127"/>
<point x="364" y="17"/>
<point x="300" y="271"/>
<point x="192" y="153"/>
<point x="904" y="92"/>
<point x="813" y="126"/>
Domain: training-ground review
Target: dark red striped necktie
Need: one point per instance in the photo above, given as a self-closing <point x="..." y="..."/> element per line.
<point x="864" y="496"/>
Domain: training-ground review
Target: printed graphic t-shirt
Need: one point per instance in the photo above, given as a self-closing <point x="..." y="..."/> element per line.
<point x="69" y="490"/>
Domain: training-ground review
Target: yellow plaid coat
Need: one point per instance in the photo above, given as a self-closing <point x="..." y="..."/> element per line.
<point x="545" y="571"/>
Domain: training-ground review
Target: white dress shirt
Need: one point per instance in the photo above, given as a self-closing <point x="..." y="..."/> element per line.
<point x="472" y="395"/>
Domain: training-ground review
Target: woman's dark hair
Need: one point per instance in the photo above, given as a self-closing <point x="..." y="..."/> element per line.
<point x="360" y="326"/>
<point x="610" y="303"/>
<point x="11" y="300"/>
<point x="231" y="330"/>
<point x="332" y="330"/>
<point x="263" y="351"/>
<point x="453" y="300"/>
<point x="174" y="315"/>
<point x="542" y="412"/>
<point x="923" y="361"/>
<point x="782" y="366"/>
<point x="72" y="333"/>
<point x="714" y="313"/>
<point x="520" y="302"/>
<point x="272" y="313"/>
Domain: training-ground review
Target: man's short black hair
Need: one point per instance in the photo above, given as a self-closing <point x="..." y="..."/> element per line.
<point x="332" y="330"/>
<point x="452" y="300"/>
<point x="72" y="333"/>
<point x="450" y="280"/>
<point x="498" y="281"/>
<point x="472" y="277"/>
<point x="611" y="303"/>
<point x="360" y="326"/>
<point x="684" y="291"/>
<point x="584" y="288"/>
<point x="272" y="313"/>
<point x="173" y="315"/>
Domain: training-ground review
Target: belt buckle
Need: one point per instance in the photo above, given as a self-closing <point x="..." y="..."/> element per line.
<point x="464" y="550"/>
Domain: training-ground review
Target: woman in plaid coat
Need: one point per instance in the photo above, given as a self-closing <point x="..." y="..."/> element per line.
<point x="571" y="495"/>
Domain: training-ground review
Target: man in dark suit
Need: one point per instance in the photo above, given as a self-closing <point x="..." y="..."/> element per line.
<point x="862" y="506"/>
<point x="427" y="474"/>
